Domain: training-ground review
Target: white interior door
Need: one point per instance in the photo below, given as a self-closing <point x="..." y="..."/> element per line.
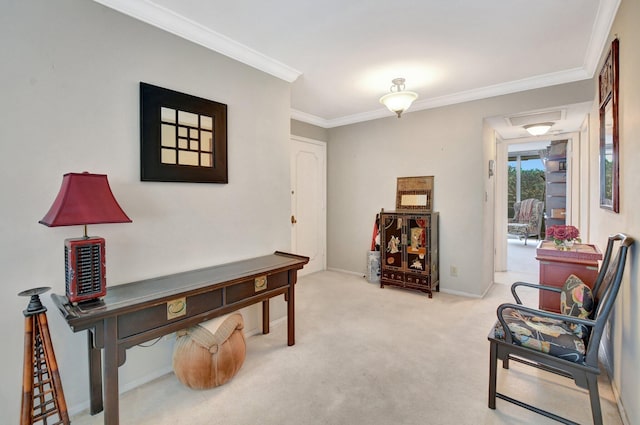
<point x="308" y="202"/>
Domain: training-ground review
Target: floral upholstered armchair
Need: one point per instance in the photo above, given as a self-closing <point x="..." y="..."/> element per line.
<point x="527" y="219"/>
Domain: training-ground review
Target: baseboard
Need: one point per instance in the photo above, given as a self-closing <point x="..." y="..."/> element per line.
<point x="75" y="409"/>
<point x="604" y="358"/>
<point x="258" y="330"/>
<point x="446" y="291"/>
<point x="616" y="394"/>
<point x="460" y="293"/>
<point x="361" y="274"/>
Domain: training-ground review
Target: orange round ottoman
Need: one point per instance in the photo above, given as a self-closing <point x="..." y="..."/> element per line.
<point x="211" y="353"/>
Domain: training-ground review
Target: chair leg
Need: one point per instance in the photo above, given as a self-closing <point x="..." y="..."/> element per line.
<point x="493" y="369"/>
<point x="594" y="398"/>
<point x="505" y="363"/>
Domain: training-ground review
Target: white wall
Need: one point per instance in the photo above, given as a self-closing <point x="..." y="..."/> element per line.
<point x="450" y="143"/>
<point x="69" y="102"/>
<point x="623" y="339"/>
<point x="309" y="131"/>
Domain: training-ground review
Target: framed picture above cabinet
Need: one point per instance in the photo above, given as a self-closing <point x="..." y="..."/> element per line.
<point x="414" y="194"/>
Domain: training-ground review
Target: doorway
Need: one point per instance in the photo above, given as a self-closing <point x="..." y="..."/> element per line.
<point x="571" y="123"/>
<point x="574" y="197"/>
<point x="308" y="202"/>
<point x="526" y="196"/>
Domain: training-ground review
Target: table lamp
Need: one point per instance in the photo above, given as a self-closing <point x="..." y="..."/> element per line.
<point x="84" y="198"/>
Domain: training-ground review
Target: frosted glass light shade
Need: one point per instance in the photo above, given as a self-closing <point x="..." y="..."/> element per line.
<point x="538" y="129"/>
<point x="398" y="102"/>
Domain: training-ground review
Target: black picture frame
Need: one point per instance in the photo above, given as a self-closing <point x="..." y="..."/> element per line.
<point x="207" y="156"/>
<point x="609" y="132"/>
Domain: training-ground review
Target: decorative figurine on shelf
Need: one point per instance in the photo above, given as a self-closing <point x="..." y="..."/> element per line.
<point x="563" y="236"/>
<point x="417" y="264"/>
<point x="392" y="246"/>
<point x="417" y="236"/>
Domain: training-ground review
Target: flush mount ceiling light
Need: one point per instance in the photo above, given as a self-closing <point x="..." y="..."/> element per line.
<point x="538" y="129"/>
<point x="399" y="100"/>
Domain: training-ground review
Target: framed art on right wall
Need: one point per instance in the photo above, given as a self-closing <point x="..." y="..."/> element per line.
<point x="609" y="149"/>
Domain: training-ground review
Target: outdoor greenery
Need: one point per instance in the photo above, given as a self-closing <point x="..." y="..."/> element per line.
<point x="608" y="178"/>
<point x="532" y="185"/>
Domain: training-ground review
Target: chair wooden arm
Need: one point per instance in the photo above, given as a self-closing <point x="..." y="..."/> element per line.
<point x="531" y="285"/>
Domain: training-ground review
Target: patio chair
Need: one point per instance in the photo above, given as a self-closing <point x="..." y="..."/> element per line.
<point x="564" y="344"/>
<point x="527" y="219"/>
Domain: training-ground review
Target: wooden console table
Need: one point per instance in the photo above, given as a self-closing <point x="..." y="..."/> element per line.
<point x="556" y="266"/>
<point x="137" y="312"/>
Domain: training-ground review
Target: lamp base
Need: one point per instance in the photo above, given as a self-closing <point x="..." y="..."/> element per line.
<point x="85" y="268"/>
<point x="90" y="305"/>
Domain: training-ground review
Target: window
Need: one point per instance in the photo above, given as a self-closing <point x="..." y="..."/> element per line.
<point x="526" y="178"/>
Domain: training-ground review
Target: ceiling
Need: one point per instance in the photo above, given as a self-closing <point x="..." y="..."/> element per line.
<point x="340" y="56"/>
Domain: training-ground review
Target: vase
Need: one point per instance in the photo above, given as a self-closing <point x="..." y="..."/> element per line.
<point x="565" y="245"/>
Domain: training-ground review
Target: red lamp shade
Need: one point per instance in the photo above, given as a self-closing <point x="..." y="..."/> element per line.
<point x="84" y="198"/>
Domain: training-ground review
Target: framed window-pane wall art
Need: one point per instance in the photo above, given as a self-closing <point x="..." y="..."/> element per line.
<point x="183" y="137"/>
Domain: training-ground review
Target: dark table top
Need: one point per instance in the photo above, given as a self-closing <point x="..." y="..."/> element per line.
<point x="122" y="298"/>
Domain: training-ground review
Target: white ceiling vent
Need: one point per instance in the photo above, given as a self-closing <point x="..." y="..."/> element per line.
<point x="524" y="119"/>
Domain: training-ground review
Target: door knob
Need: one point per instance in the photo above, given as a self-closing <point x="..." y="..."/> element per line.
<point x="293" y="219"/>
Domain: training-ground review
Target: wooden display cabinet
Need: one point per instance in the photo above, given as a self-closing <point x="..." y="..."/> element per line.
<point x="556" y="184"/>
<point x="409" y="250"/>
<point x="556" y="266"/>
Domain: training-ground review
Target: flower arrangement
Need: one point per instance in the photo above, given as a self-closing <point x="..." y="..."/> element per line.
<point x="563" y="236"/>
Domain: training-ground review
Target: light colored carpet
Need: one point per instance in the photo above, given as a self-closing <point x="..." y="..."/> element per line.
<point x="521" y="262"/>
<point x="366" y="355"/>
<point x="521" y="257"/>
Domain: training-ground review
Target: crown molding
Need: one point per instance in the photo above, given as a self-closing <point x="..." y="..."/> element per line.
<point x="546" y="80"/>
<point x="167" y="20"/>
<point x="539" y="81"/>
<point x="607" y="10"/>
<point x="309" y="118"/>
<point x="176" y="24"/>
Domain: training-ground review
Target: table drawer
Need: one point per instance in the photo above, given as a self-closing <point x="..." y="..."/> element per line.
<point x="242" y="291"/>
<point x="154" y="317"/>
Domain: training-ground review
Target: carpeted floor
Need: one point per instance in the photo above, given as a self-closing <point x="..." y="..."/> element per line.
<point x="366" y="355"/>
<point x="521" y="262"/>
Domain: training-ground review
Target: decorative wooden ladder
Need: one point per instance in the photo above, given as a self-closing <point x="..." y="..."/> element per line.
<point x="42" y="396"/>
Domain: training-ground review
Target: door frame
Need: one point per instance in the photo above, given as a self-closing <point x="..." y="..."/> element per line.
<point x="575" y="195"/>
<point x="323" y="197"/>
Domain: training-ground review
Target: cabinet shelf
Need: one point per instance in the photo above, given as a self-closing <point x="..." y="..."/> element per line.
<point x="556" y="182"/>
